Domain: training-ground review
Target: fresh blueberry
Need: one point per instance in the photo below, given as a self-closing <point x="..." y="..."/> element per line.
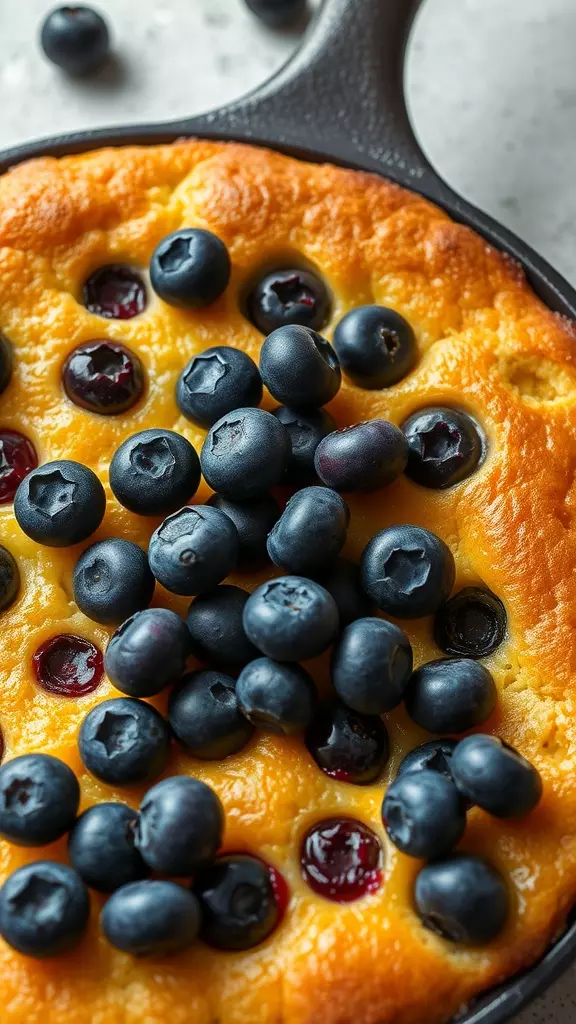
<point x="236" y="896"/>
<point x="17" y="458"/>
<point x="347" y="746"/>
<point x="376" y="347"/>
<point x="275" y="696"/>
<point x="306" y="430"/>
<point x="445" y="447"/>
<point x="44" y="909"/>
<point x="495" y="776"/>
<point x="103" y="377"/>
<point x="472" y="623"/>
<point x="155" y="472"/>
<point x="462" y="898"/>
<point x="116" y="292"/>
<point x="112" y="580"/>
<point x="363" y="457"/>
<point x="124" y="741"/>
<point x="435" y="755"/>
<point x="6" y="361"/>
<point x="450" y="695"/>
<point x="147" y="653"/>
<point x="151" y="918"/>
<point x="253" y="519"/>
<point x="76" y="39"/>
<point x="310" y="532"/>
<point x="180" y="826"/>
<point x="204" y="716"/>
<point x="39" y="798"/>
<point x="215" y="383"/>
<point x="245" y="453"/>
<point x="407" y="571"/>
<point x="289" y="297"/>
<point x="190" y="268"/>
<point x="291" y="618"/>
<point x="371" y="666"/>
<point x="424" y="814"/>
<point x="215" y="623"/>
<point x="101" y="847"/>
<point x="193" y="549"/>
<point x="342" y="580"/>
<point x="9" y="579"/>
<point x="60" y="503"/>
<point x="299" y="367"/>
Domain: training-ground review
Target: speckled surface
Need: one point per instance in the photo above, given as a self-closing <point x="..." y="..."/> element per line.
<point x="492" y="86"/>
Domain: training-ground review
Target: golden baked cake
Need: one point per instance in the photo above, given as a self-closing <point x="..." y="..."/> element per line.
<point x="486" y="348"/>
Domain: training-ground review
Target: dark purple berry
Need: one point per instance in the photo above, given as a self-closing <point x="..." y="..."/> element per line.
<point x="103" y="377"/>
<point x="445" y="446"/>
<point x="289" y="297"/>
<point x="363" y="457"/>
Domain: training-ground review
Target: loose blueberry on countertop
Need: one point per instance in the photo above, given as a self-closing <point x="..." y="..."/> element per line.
<point x="101" y="847"/>
<point x="155" y="472"/>
<point x="115" y="292"/>
<point x="445" y="447"/>
<point x="124" y="741"/>
<point x="371" y="666"/>
<point x="407" y="571"/>
<point x="245" y="453"/>
<point x="76" y="38"/>
<point x="342" y="580"/>
<point x="9" y="579"/>
<point x="190" y="268"/>
<point x="148" y="652"/>
<point x="435" y="755"/>
<point x="237" y="901"/>
<point x="311" y="531"/>
<point x="495" y="776"/>
<point x="347" y="746"/>
<point x="193" y="549"/>
<point x="103" y="377"/>
<point x="287" y="297"/>
<point x="216" y="630"/>
<point x="180" y="826"/>
<point x="278" y="13"/>
<point x="68" y="665"/>
<point x="472" y="623"/>
<point x="39" y="797"/>
<point x="341" y="859"/>
<point x="44" y="909"/>
<point x="253" y="519"/>
<point x="216" y="382"/>
<point x="363" y="457"/>
<point x="291" y="618"/>
<point x="276" y="697"/>
<point x="450" y="695"/>
<point x="112" y="580"/>
<point x="17" y="459"/>
<point x="376" y="347"/>
<point x="204" y="716"/>
<point x="424" y="814"/>
<point x="151" y="918"/>
<point x="6" y="361"/>
<point x="60" y="503"/>
<point x="306" y="430"/>
<point x="299" y="367"/>
<point x="462" y="898"/>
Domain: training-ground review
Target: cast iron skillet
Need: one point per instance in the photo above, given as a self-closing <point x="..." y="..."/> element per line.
<point x="341" y="99"/>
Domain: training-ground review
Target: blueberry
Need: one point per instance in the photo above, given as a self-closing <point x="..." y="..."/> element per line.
<point x="103" y="377"/>
<point x="472" y="623"/>
<point x="9" y="579"/>
<point x="342" y="580"/>
<point x="407" y="571"/>
<point x="151" y="918"/>
<point x="180" y="826"/>
<point x="115" y="292"/>
<point x="450" y="695"/>
<point x="60" y="503"/>
<point x="6" y="361"/>
<point x="346" y="745"/>
<point x="215" y="623"/>
<point x="101" y="847"/>
<point x="18" y="457"/>
<point x="495" y="776"/>
<point x="154" y="472"/>
<point x="462" y="898"/>
<point x="306" y="429"/>
<point x="76" y="39"/>
<point x="435" y="755"/>
<point x="216" y="382"/>
<point x="310" y="532"/>
<point x="193" y="549"/>
<point x="276" y="697"/>
<point x="124" y="741"/>
<point x="291" y="618"/>
<point x="204" y="715"/>
<point x="112" y="580"/>
<point x="289" y="297"/>
<point x="237" y="902"/>
<point x="445" y="446"/>
<point x="245" y="453"/>
<point x="147" y="653"/>
<point x="39" y="798"/>
<point x="44" y="909"/>
<point x="424" y="814"/>
<point x="253" y="519"/>
<point x="190" y="268"/>
<point x="363" y="457"/>
<point x="376" y="347"/>
<point x="299" y="367"/>
<point x="371" y="666"/>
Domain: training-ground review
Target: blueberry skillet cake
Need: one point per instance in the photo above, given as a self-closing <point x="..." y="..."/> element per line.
<point x="287" y="597"/>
